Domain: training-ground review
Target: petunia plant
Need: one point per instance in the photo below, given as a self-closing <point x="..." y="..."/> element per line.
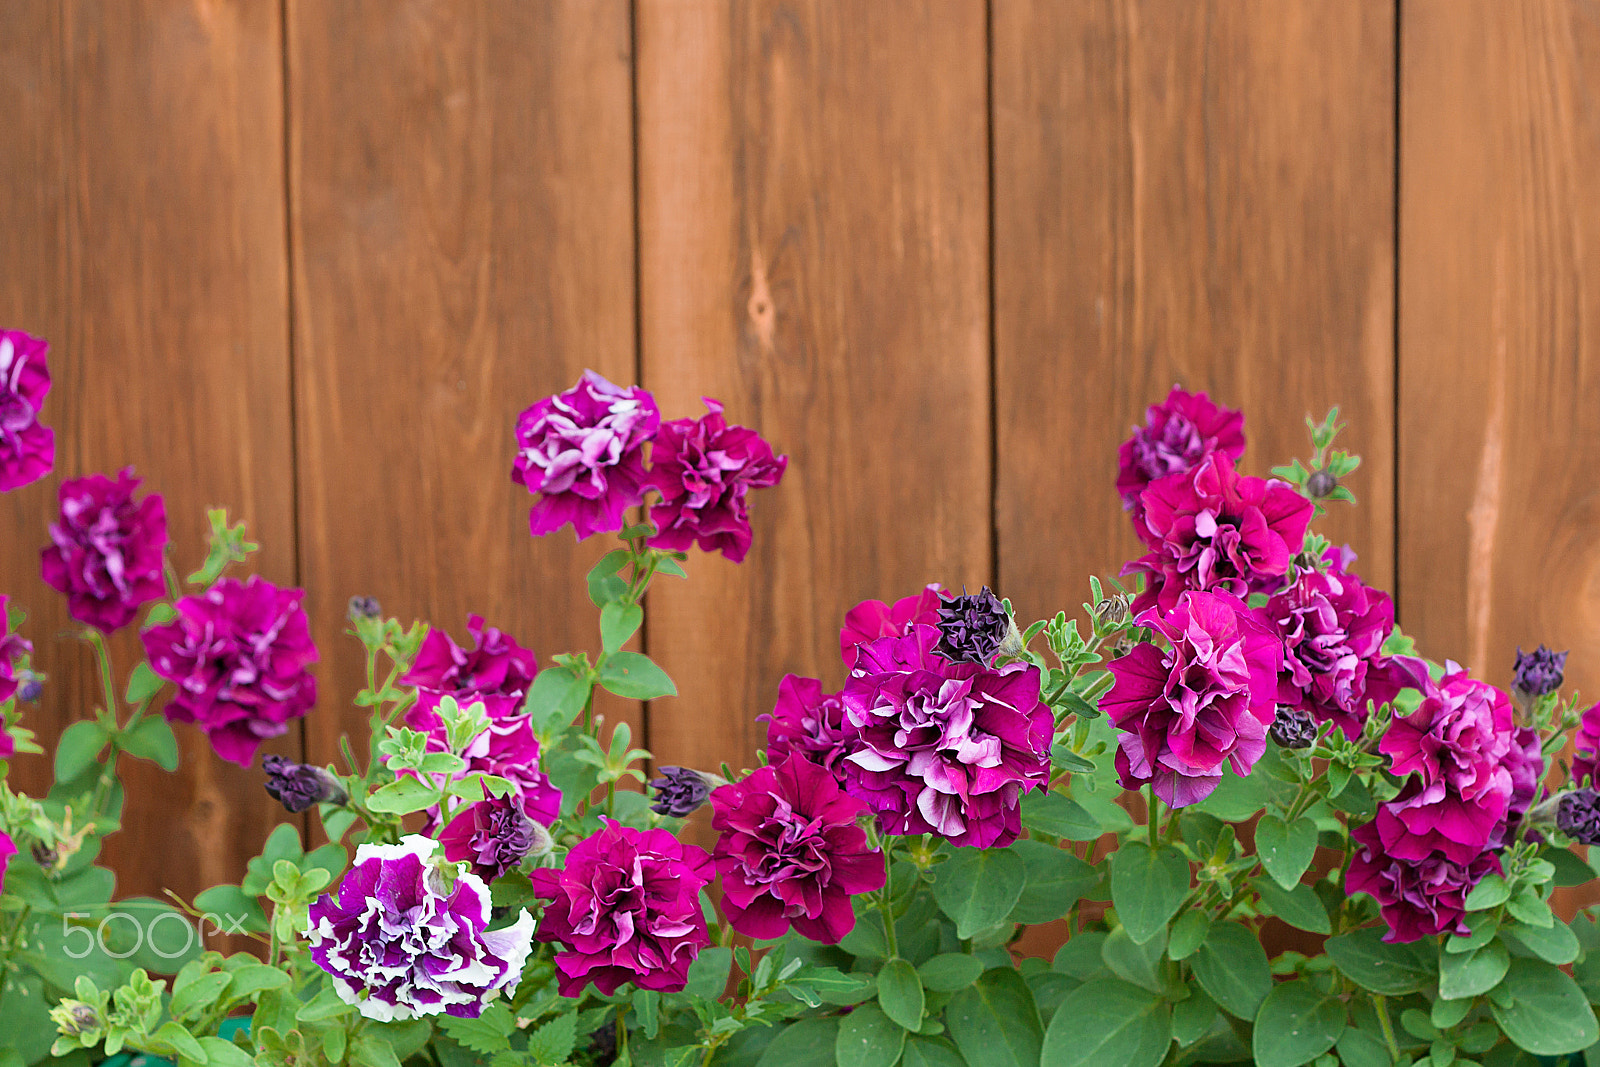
<point x="1228" y="814"/>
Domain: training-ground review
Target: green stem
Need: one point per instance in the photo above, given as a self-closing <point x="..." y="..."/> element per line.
<point x="108" y="681"/>
<point x="1152" y="813"/>
<point x="1381" y="1004"/>
<point x="883" y="900"/>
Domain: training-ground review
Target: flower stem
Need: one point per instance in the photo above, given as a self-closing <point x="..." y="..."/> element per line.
<point x="108" y="681"/>
<point x="883" y="899"/>
<point x="1381" y="1003"/>
<point x="1152" y="813"/>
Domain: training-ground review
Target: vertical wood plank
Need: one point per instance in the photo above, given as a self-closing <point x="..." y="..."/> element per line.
<point x="143" y="205"/>
<point x="463" y="245"/>
<point x="1499" y="354"/>
<point x="1185" y="192"/>
<point x="813" y="251"/>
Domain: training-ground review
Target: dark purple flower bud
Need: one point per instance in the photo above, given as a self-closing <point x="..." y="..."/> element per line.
<point x="364" y="607"/>
<point x="972" y="627"/>
<point x="1320" y="484"/>
<point x="680" y="790"/>
<point x="1293" y="728"/>
<point x="32" y="688"/>
<point x="1540" y="671"/>
<point x="45" y="856"/>
<point x="1578" y="815"/>
<point x="297" y="786"/>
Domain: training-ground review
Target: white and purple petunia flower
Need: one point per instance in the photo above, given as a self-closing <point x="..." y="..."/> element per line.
<point x="27" y="446"/>
<point x="403" y="938"/>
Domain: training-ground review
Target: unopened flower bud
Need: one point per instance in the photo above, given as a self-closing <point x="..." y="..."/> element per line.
<point x="1320" y="484"/>
<point x="74" y="1018"/>
<point x="1539" y="672"/>
<point x="680" y="790"/>
<point x="364" y="607"/>
<point x="1112" y="612"/>
<point x="1578" y="815"/>
<point x="31" y="689"/>
<point x="975" y="627"/>
<point x="46" y="857"/>
<point x="297" y="786"/>
<point x="1292" y="728"/>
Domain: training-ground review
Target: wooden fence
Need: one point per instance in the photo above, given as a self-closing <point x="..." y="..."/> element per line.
<point x="308" y="259"/>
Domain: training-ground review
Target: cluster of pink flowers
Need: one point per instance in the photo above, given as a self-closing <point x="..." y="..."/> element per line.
<point x="583" y="453"/>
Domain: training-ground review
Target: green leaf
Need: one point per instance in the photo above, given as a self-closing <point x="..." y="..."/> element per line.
<point x="1236" y="799"/>
<point x="1297" y="1023"/>
<point x="553" y="1042"/>
<point x="1491" y="892"/>
<point x="708" y="974"/>
<point x="808" y="1043"/>
<point x="995" y="1023"/>
<point x="1529" y="907"/>
<point x="1139" y="964"/>
<point x="605" y="585"/>
<point x="556" y="696"/>
<point x="1192" y="1017"/>
<point x="1357" y="1048"/>
<point x="950" y="972"/>
<point x="1471" y="974"/>
<point x="1056" y="881"/>
<point x="228" y="904"/>
<point x="80" y="743"/>
<point x="930" y="1052"/>
<point x="220" y="1052"/>
<point x="1554" y="944"/>
<point x="1231" y="966"/>
<point x="979" y="887"/>
<point x="1108" y="1022"/>
<point x="618" y="622"/>
<point x="634" y="676"/>
<point x="1059" y="816"/>
<point x="198" y="994"/>
<point x="143" y="684"/>
<point x="868" y="1038"/>
<point x="152" y="739"/>
<point x="900" y="993"/>
<point x="1301" y="908"/>
<point x="1570" y="870"/>
<point x="647" y="1006"/>
<point x="1147" y="887"/>
<point x="182" y="1042"/>
<point x="1544" y="1011"/>
<point x="1187" y="934"/>
<point x="1080" y="957"/>
<point x="403" y="796"/>
<point x="1286" y="850"/>
<point x="488" y="1033"/>
<point x="1385" y="969"/>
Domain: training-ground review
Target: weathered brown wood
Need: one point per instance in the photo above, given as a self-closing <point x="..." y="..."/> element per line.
<point x="1185" y="192"/>
<point x="463" y="245"/>
<point x="143" y="202"/>
<point x="814" y="247"/>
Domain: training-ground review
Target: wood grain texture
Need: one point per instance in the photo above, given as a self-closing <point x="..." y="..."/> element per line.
<point x="143" y="210"/>
<point x="1185" y="192"/>
<point x="813" y="200"/>
<point x="1499" y="354"/>
<point x="463" y="245"/>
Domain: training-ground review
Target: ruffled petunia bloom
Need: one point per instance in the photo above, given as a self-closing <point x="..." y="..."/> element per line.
<point x="704" y="469"/>
<point x="27" y="446"/>
<point x="298" y="786"/>
<point x="8" y="848"/>
<point x="974" y="626"/>
<point x="1206" y="702"/>
<point x="791" y="854"/>
<point x="402" y="940"/>
<point x="12" y="648"/>
<point x="940" y="747"/>
<point x="1418" y="897"/>
<point x="1525" y="762"/>
<point x="582" y="451"/>
<point x="1539" y="672"/>
<point x="492" y="836"/>
<point x="1333" y="628"/>
<point x="239" y="655"/>
<point x="1215" y="530"/>
<point x="495" y="665"/>
<point x="106" y="551"/>
<point x="1178" y="433"/>
<point x="625" y="908"/>
<point x="508" y="748"/>
<point x="1586" y="748"/>
<point x="872" y="619"/>
<point x="808" y="721"/>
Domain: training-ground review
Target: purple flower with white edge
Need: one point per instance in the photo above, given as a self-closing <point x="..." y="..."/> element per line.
<point x="582" y="451"/>
<point x="1205" y="702"/>
<point x="495" y="665"/>
<point x="1539" y="672"/>
<point x="239" y="655"/>
<point x="403" y="938"/>
<point x="680" y="791"/>
<point x="704" y="469"/>
<point x="493" y="836"/>
<point x="1418" y="897"/>
<point x="27" y="446"/>
<point x="1578" y="815"/>
<point x="808" y="721"/>
<point x="297" y="786"/>
<point x="12" y="648"/>
<point x="107" y="550"/>
<point x="941" y="747"/>
<point x="1178" y="433"/>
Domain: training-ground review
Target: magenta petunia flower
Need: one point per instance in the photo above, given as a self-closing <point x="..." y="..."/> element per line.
<point x="1207" y="701"/>
<point x="401" y="940"/>
<point x="8" y="848"/>
<point x="1333" y="628"/>
<point x="492" y="835"/>
<point x="582" y="451"/>
<point x="1214" y="530"/>
<point x="625" y="908"/>
<point x="239" y="655"/>
<point x="790" y="853"/>
<point x="704" y="469"/>
<point x="808" y="721"/>
<point x="508" y="748"/>
<point x="106" y="551"/>
<point x="1586" y="749"/>
<point x="1525" y="762"/>
<point x="941" y="747"/>
<point x="12" y="648"/>
<point x="1178" y="433"/>
<point x="872" y="619"/>
<point x="27" y="446"/>
<point x="495" y="665"/>
<point x="1418" y="897"/>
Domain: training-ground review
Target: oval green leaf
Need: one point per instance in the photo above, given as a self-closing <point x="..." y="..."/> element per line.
<point x="1389" y="970"/>
<point x="900" y="993"/>
<point x="636" y="677"/>
<point x="1108" y="1022"/>
<point x="1286" y="849"/>
<point x="1231" y="966"/>
<point x="979" y="887"/>
<point x="1056" y="880"/>
<point x="1148" y="886"/>
<point x="1546" y="1013"/>
<point x="808" y="1043"/>
<point x="995" y="1023"/>
<point x="1470" y="974"/>
<point x="950" y="972"/>
<point x="868" y="1038"/>
<point x="1297" y="1023"/>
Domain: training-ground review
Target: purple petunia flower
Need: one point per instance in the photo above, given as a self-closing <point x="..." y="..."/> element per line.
<point x="941" y="747"/>
<point x="625" y="908"/>
<point x="790" y="853"/>
<point x="872" y="619"/>
<point x="808" y="721"/>
<point x="1205" y="702"/>
<point x="973" y="626"/>
<point x="507" y="748"/>
<point x="704" y="469"/>
<point x="494" y="665"/>
<point x="401" y="940"/>
<point x="582" y="451"/>
<point x="1214" y="530"/>
<point x="1178" y="433"/>
<point x="297" y="786"/>
<point x="238" y="654"/>
<point x="12" y="648"/>
<point x="1418" y="897"/>
<point x="680" y="791"/>
<point x="106" y="551"/>
<point x="8" y="848"/>
<point x="1333" y="629"/>
<point x="27" y="446"/>
<point x="1525" y="762"/>
<point x="1586" y="748"/>
<point x="492" y="835"/>
<point x="1539" y="672"/>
